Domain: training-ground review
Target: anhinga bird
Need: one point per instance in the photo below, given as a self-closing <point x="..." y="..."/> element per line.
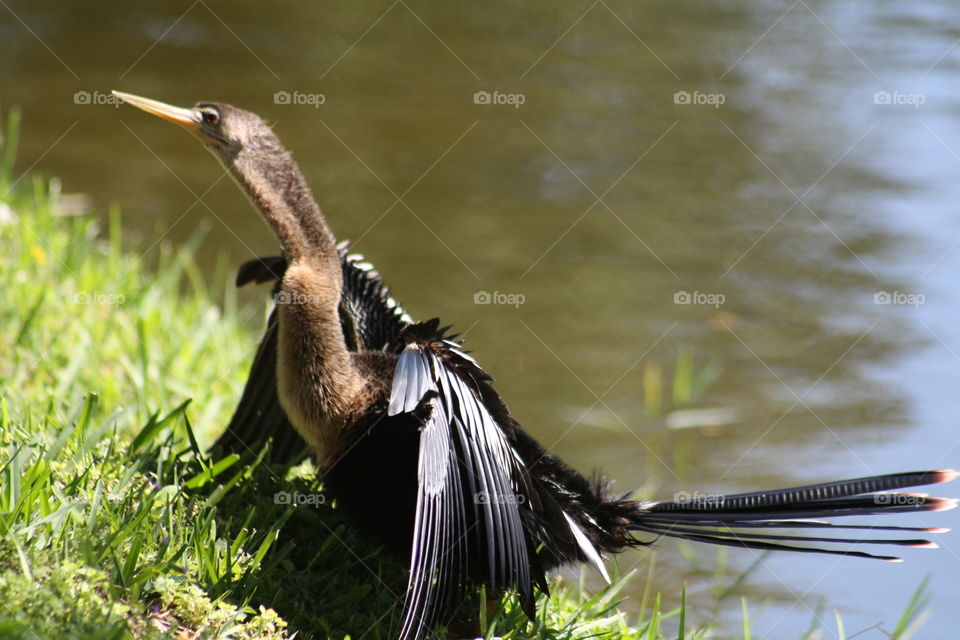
<point x="419" y="450"/>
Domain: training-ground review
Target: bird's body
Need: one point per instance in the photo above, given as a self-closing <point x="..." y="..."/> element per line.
<point x="419" y="449"/>
<point x="372" y="469"/>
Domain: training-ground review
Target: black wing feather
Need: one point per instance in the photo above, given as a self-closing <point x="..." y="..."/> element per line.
<point x="258" y="415"/>
<point x="465" y="457"/>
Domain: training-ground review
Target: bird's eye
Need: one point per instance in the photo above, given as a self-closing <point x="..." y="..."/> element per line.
<point x="210" y="117"/>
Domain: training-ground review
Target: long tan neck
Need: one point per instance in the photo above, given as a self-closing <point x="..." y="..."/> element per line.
<point x="278" y="189"/>
<point x="317" y="381"/>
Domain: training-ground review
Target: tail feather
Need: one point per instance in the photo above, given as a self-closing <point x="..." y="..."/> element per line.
<point x="913" y="542"/>
<point x="802" y="524"/>
<point x="718" y="509"/>
<point x="713" y="519"/>
<point x="770" y="546"/>
<point x="816" y="492"/>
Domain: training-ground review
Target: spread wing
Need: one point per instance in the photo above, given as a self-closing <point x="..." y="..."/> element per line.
<point x="258" y="415"/>
<point x="371" y="320"/>
<point x="468" y="524"/>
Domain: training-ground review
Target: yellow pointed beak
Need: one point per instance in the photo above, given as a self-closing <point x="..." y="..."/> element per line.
<point x="189" y="119"/>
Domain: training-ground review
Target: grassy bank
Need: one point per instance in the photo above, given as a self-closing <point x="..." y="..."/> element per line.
<point x="113" y="524"/>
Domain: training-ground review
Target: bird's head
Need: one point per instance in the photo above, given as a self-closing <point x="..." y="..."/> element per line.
<point x="248" y="148"/>
<point x="225" y="130"/>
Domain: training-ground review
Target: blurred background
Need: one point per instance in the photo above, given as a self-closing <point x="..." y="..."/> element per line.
<point x="700" y="246"/>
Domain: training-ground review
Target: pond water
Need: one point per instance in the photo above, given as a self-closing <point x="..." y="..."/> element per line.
<point x="764" y="192"/>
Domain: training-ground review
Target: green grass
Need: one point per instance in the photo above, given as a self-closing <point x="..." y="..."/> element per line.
<point x="115" y="524"/>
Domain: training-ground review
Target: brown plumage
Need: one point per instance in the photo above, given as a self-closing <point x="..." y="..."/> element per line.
<point x="419" y="449"/>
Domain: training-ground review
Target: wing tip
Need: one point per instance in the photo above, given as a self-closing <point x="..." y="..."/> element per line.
<point x="943" y="504"/>
<point x="925" y="544"/>
<point x="944" y="475"/>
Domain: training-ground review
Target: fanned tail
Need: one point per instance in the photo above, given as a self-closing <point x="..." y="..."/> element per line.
<point x="720" y="519"/>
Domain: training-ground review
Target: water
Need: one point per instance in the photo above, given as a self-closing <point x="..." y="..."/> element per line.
<point x="596" y="201"/>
